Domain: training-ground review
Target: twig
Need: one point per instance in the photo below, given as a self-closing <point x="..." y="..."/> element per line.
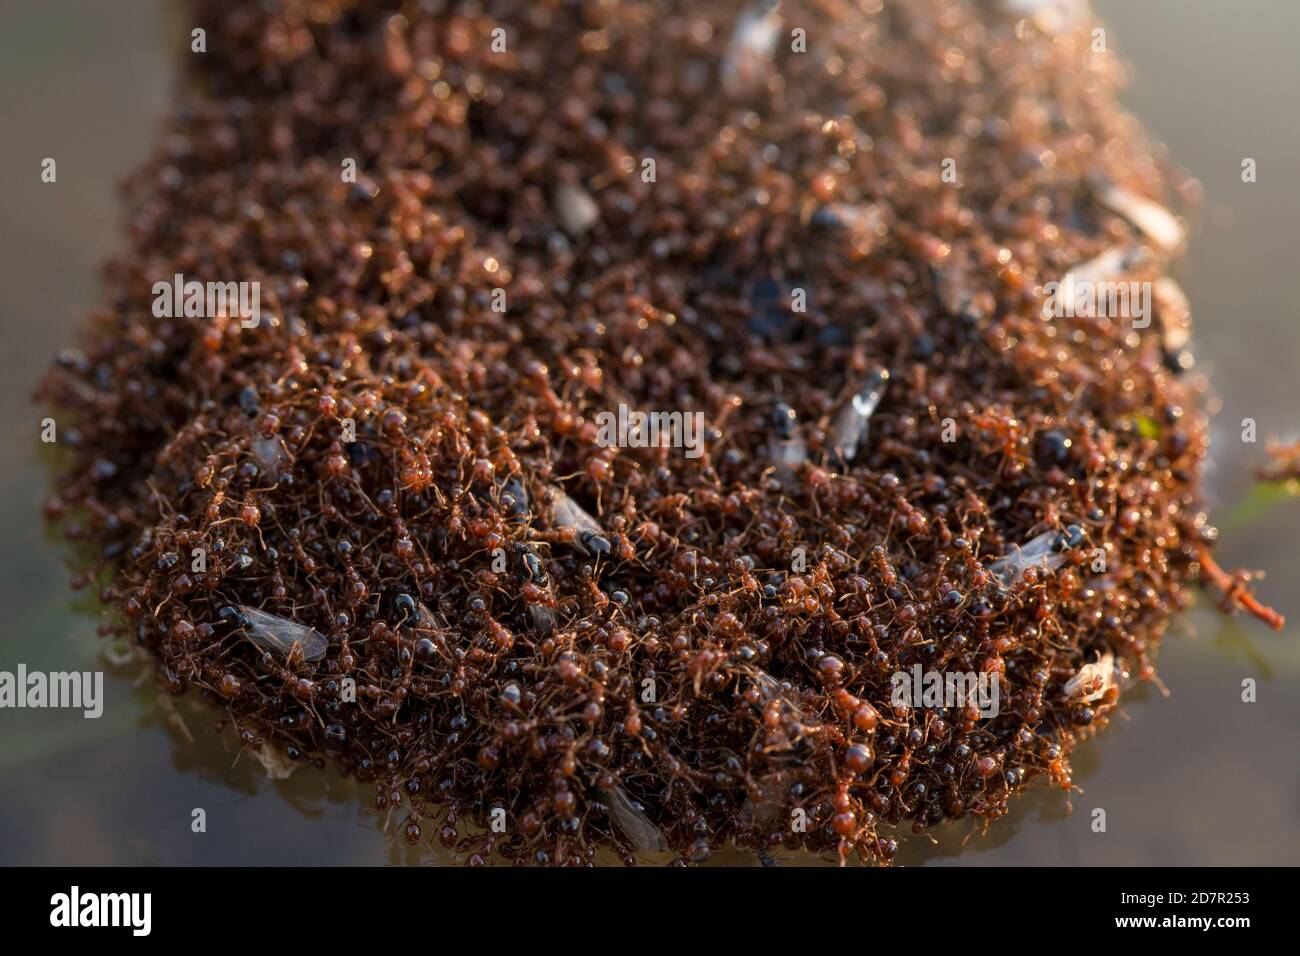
<point x="1235" y="592"/>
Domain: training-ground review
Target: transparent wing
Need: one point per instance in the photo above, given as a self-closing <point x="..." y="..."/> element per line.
<point x="631" y="819"/>
<point x="1154" y="221"/>
<point x="1093" y="680"/>
<point x="274" y="633"/>
<point x="567" y="514"/>
<point x="1037" y="552"/>
<point x="752" y="44"/>
<point x="1110" y="265"/>
<point x="851" y="423"/>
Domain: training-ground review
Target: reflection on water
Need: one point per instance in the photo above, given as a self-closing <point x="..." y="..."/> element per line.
<point x="1197" y="777"/>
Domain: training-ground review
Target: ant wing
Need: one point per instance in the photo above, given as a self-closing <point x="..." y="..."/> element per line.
<point x="1110" y="265"/>
<point x="514" y="497"/>
<point x="769" y="687"/>
<point x="767" y="796"/>
<point x="849" y="427"/>
<point x="424" y="619"/>
<point x="1093" y="680"/>
<point x="1154" y="221"/>
<point x="1042" y="551"/>
<point x="567" y="514"/>
<point x="631" y="819"/>
<point x="274" y="633"/>
<point x="752" y="43"/>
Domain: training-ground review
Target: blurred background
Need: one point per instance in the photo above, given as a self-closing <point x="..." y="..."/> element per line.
<point x="1195" y="778"/>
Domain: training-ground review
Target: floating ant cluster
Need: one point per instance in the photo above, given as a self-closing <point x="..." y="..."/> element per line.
<point x="393" y="484"/>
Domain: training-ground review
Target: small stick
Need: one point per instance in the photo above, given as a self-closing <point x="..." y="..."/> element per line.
<point x="1235" y="592"/>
